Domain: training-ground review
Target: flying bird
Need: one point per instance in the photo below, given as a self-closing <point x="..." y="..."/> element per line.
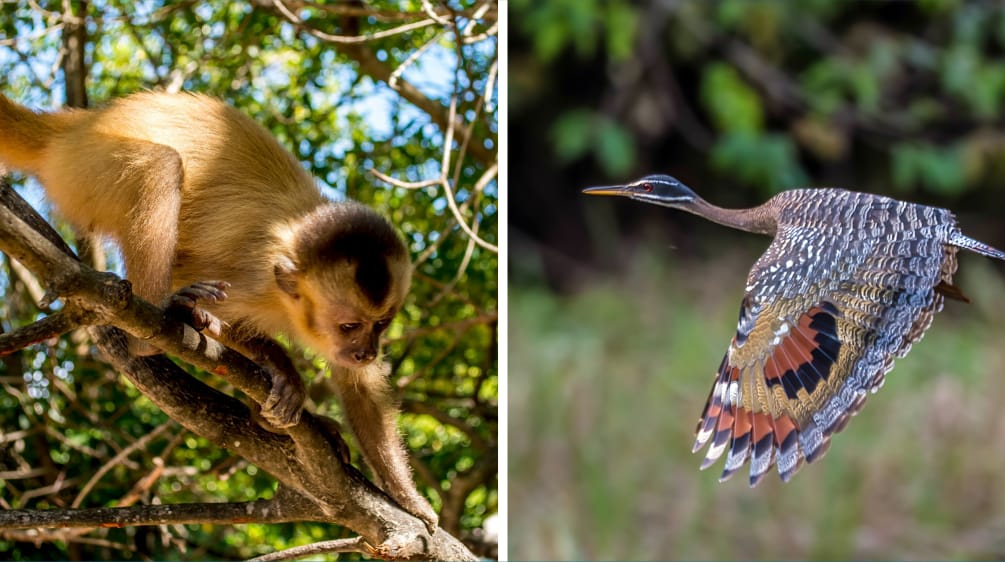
<point x="849" y="283"/>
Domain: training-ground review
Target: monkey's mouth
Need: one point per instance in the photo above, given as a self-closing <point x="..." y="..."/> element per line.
<point x="355" y="359"/>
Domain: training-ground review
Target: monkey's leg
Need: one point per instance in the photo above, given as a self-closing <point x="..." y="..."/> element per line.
<point x="286" y="398"/>
<point x="154" y="174"/>
<point x="371" y="413"/>
<point x="148" y="194"/>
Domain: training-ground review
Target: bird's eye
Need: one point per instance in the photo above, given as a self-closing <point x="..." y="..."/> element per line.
<point x="647" y="187"/>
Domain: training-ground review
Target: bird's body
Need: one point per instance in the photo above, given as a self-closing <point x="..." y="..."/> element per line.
<point x="849" y="283"/>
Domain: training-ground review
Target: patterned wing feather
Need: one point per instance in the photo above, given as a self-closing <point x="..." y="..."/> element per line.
<point x="823" y="318"/>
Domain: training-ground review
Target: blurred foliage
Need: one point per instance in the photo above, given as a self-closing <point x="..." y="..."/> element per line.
<point x="606" y="387"/>
<point x="585" y="25"/>
<point x="65" y="415"/>
<point x="743" y="99"/>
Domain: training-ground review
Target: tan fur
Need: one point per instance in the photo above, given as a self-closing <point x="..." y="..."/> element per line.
<point x="193" y="190"/>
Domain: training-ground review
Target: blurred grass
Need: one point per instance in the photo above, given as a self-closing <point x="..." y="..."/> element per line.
<point x="605" y="388"/>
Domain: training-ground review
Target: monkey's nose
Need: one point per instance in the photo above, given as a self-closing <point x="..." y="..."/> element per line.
<point x="363" y="356"/>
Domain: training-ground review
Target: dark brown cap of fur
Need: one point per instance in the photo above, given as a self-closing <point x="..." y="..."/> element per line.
<point x="354" y="233"/>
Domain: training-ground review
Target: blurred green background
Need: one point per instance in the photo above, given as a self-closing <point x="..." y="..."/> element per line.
<point x="620" y="312"/>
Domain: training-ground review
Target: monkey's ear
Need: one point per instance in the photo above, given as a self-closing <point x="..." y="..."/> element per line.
<point x="286" y="276"/>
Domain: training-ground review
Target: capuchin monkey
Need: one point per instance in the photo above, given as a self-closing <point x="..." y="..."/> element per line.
<point x="193" y="190"/>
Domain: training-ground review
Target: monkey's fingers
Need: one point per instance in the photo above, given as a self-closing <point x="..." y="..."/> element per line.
<point x="184" y="304"/>
<point x="190" y="295"/>
<point x="286" y="400"/>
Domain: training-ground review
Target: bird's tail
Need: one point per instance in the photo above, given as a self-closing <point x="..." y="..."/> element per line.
<point x="25" y="134"/>
<point x="963" y="241"/>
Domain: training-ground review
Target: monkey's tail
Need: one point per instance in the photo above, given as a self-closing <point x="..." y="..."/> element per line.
<point x="24" y="135"/>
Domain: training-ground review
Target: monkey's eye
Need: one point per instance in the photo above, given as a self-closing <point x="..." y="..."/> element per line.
<point x="382" y="325"/>
<point x="349" y="327"/>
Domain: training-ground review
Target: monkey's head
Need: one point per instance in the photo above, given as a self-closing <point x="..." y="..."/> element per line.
<point x="343" y="277"/>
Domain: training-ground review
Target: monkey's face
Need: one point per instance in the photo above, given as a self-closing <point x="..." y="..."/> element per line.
<point x="354" y="338"/>
<point x="337" y="316"/>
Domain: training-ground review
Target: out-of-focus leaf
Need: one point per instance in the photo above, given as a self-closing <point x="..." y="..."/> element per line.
<point x="937" y="169"/>
<point x="824" y="82"/>
<point x="615" y="149"/>
<point x="729" y="13"/>
<point x="622" y="29"/>
<point x="865" y="85"/>
<point x="767" y="161"/>
<point x="573" y="134"/>
<point x="958" y="69"/>
<point x="904" y="166"/>
<point x="822" y="137"/>
<point x="733" y="105"/>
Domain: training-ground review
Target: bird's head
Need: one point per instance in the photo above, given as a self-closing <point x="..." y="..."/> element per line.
<point x="658" y="189"/>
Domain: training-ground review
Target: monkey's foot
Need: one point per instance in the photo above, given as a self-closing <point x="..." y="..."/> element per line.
<point x="286" y="399"/>
<point x="417" y="505"/>
<point x="184" y="305"/>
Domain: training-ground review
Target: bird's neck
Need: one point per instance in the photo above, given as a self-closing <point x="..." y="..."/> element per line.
<point x="760" y="219"/>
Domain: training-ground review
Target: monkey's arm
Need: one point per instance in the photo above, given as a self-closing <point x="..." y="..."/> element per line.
<point x="286" y="399"/>
<point x="372" y="414"/>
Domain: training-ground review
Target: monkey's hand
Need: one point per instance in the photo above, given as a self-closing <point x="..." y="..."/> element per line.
<point x="184" y="305"/>
<point x="286" y="398"/>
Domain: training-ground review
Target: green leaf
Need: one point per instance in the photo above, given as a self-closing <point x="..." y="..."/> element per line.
<point x="903" y="166"/>
<point x="615" y="149"/>
<point x="768" y="161"/>
<point x="622" y="28"/>
<point x="573" y="134"/>
<point x="733" y="105"/>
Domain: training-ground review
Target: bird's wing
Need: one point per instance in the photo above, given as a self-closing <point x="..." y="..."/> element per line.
<point x="822" y="319"/>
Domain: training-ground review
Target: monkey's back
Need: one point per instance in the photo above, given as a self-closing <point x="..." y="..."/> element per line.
<point x="238" y="184"/>
<point x="227" y="158"/>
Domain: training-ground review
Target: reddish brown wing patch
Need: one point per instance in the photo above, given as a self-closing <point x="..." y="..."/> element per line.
<point x="805" y="355"/>
<point x="796" y="362"/>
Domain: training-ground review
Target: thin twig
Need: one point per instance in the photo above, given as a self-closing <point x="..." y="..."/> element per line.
<point x="404" y="184"/>
<point x="351" y="39"/>
<point x="32" y="36"/>
<point x="427" y="7"/>
<point x="393" y="80"/>
<point x="141" y="442"/>
<point x="448" y="190"/>
<point x="356" y="544"/>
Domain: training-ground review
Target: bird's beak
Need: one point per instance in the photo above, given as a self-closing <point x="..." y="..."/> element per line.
<point x="623" y="190"/>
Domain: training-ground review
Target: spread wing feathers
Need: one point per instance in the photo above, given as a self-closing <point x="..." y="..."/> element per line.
<point x="800" y="366"/>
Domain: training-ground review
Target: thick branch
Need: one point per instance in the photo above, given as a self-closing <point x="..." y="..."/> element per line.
<point x="51" y="326"/>
<point x="11" y="200"/>
<point x="258" y="511"/>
